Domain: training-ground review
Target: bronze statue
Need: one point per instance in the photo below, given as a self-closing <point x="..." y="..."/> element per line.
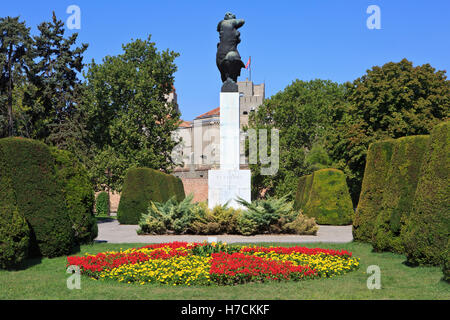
<point x="228" y="59"/>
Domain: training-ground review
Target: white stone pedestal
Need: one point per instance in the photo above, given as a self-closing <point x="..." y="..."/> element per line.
<point x="227" y="183"/>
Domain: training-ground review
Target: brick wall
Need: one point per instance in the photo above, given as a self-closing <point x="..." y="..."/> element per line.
<point x="197" y="186"/>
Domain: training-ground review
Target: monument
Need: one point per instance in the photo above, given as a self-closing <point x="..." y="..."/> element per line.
<point x="229" y="182"/>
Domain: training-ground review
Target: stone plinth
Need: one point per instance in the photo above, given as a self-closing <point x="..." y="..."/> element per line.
<point x="227" y="183"/>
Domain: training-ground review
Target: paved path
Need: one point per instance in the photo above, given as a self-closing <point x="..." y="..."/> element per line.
<point x="111" y="231"/>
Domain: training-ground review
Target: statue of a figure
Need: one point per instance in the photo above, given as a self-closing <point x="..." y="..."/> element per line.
<point x="228" y="59"/>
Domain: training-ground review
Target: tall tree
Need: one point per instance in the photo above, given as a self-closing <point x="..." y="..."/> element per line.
<point x="301" y="113"/>
<point x="15" y="58"/>
<point x="130" y="120"/>
<point x="57" y="119"/>
<point x="391" y="101"/>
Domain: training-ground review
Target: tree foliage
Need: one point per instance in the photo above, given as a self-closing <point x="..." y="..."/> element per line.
<point x="129" y="120"/>
<point x="391" y="101"/>
<point x="301" y="113"/>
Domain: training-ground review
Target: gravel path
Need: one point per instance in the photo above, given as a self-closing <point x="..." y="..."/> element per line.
<point x="112" y="232"/>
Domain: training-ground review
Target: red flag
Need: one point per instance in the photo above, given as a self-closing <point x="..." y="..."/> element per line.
<point x="248" y="63"/>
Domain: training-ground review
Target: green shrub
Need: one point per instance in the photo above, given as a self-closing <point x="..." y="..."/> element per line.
<point x="329" y="201"/>
<point x="143" y="185"/>
<point x="398" y="195"/>
<point x="303" y="190"/>
<point x="377" y="166"/>
<point x="14" y="231"/>
<point x="218" y="220"/>
<point x="78" y="193"/>
<point x="427" y="229"/>
<point x="446" y="264"/>
<point x="273" y="215"/>
<point x="102" y="204"/>
<point x="170" y="216"/>
<point x="301" y="225"/>
<point x="39" y="196"/>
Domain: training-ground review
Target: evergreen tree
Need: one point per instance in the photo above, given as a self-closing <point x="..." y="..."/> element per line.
<point x="58" y="119"/>
<point x="15" y="59"/>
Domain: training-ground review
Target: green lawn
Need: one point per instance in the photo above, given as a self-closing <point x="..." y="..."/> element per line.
<point x="46" y="279"/>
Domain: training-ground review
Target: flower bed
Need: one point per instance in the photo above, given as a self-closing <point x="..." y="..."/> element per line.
<point x="181" y="263"/>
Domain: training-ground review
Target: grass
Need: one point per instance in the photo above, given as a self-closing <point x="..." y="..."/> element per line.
<point x="46" y="279"/>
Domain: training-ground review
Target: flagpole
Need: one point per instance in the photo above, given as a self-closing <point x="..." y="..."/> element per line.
<point x="250" y="69"/>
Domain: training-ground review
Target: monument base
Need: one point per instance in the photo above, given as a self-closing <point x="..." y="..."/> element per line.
<point x="226" y="185"/>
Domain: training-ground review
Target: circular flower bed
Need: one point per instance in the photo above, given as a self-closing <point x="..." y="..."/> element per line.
<point x="181" y="263"/>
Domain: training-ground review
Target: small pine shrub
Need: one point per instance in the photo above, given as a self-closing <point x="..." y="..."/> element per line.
<point x="273" y="215"/>
<point x="219" y="220"/>
<point x="102" y="204"/>
<point x="301" y="225"/>
<point x="170" y="216"/>
<point x="143" y="185"/>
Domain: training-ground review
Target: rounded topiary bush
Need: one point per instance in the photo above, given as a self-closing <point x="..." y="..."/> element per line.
<point x="329" y="200"/>
<point x="102" y="204"/>
<point x="78" y="193"/>
<point x="377" y="165"/>
<point x="427" y="229"/>
<point x="14" y="231"/>
<point x="142" y="185"/>
<point x="39" y="196"/>
<point x="303" y="190"/>
<point x="398" y="195"/>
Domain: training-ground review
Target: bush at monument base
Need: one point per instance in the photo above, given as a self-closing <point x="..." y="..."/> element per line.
<point x="14" y="231"/>
<point x="39" y="198"/>
<point x="427" y="230"/>
<point x="102" y="204"/>
<point x="79" y="195"/>
<point x="324" y="195"/>
<point x="377" y="166"/>
<point x="142" y="185"/>
<point x="398" y="195"/>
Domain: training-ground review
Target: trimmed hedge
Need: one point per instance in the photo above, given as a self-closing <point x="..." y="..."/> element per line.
<point x="14" y="231"/>
<point x="78" y="193"/>
<point x="142" y="185"/>
<point x="377" y="166"/>
<point x="446" y="264"/>
<point x="398" y="195"/>
<point x="303" y="190"/>
<point x="427" y="230"/>
<point x="30" y="169"/>
<point x="324" y="195"/>
<point x="102" y="204"/>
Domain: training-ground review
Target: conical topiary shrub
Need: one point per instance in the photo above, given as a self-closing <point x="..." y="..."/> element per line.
<point x="377" y="166"/>
<point x="427" y="230"/>
<point x="328" y="199"/>
<point x="398" y="195"/>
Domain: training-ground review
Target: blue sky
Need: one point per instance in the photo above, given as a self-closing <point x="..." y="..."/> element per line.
<point x="287" y="40"/>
